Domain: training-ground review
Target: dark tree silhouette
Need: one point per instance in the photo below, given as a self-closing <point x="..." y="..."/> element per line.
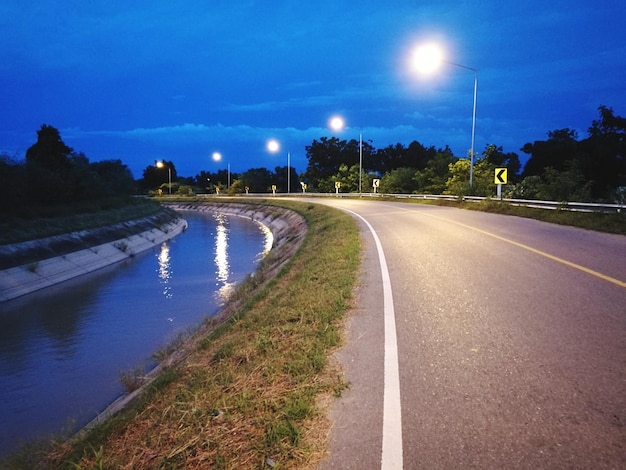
<point x="49" y="151"/>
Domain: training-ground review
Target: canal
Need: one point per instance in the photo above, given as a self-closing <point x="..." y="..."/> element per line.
<point x="63" y="349"/>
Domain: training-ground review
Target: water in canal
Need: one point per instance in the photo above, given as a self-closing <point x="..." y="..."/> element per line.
<point x="62" y="349"/>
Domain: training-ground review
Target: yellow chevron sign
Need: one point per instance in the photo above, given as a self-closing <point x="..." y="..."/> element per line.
<point x="500" y="176"/>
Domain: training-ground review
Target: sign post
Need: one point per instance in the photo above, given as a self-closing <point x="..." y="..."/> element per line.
<point x="376" y="184"/>
<point x="500" y="178"/>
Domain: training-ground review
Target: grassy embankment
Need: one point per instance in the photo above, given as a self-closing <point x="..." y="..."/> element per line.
<point x="600" y="222"/>
<point x="250" y="393"/>
<point x="40" y="222"/>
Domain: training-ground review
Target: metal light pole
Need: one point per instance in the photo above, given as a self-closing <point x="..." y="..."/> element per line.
<point x="471" y="181"/>
<point x="160" y="164"/>
<point x="360" y="160"/>
<point x="218" y="157"/>
<point x="427" y="59"/>
<point x="337" y="124"/>
<point x="274" y="146"/>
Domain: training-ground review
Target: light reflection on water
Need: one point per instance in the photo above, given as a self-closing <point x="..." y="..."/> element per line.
<point x="165" y="269"/>
<point x="62" y="349"/>
<point x="221" y="257"/>
<point x="268" y="238"/>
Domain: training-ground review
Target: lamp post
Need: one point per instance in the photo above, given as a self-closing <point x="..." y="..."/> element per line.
<point x="161" y="164"/>
<point x="337" y="124"/>
<point x="427" y="59"/>
<point x="273" y="146"/>
<point x="218" y="157"/>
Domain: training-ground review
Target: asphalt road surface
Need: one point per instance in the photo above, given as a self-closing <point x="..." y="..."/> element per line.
<point x="482" y="341"/>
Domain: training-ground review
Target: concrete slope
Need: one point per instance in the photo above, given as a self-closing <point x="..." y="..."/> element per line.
<point x="21" y="280"/>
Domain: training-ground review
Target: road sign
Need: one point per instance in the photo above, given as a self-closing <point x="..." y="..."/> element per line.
<point x="376" y="182"/>
<point x="500" y="176"/>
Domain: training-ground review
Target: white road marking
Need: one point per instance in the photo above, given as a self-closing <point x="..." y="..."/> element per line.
<point x="391" y="458"/>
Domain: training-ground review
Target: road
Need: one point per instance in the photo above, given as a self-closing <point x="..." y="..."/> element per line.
<point x="504" y="345"/>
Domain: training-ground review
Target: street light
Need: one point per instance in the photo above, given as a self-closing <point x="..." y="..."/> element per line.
<point x="161" y="164"/>
<point x="427" y="59"/>
<point x="218" y="157"/>
<point x="273" y="146"/>
<point x="338" y="124"/>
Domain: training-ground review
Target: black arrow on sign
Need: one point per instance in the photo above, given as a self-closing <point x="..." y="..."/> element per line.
<point x="499" y="175"/>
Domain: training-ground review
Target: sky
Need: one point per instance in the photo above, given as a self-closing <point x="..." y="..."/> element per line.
<point x="179" y="80"/>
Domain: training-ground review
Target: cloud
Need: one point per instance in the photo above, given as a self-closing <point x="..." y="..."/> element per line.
<point x="184" y="131"/>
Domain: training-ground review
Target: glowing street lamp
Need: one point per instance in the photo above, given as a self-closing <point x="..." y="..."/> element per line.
<point x="427" y="59"/>
<point x="161" y="164"/>
<point x="337" y="124"/>
<point x="218" y="157"/>
<point x="273" y="146"/>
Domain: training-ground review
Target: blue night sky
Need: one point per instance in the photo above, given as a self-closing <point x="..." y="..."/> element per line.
<point x="179" y="80"/>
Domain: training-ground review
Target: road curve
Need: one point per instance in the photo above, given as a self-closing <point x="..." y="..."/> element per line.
<point x="511" y="343"/>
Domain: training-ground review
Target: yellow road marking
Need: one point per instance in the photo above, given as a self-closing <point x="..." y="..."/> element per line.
<point x="604" y="277"/>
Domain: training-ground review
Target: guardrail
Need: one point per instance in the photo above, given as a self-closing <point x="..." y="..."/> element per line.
<point x="553" y="205"/>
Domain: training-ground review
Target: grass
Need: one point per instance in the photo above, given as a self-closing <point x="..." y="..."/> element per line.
<point x="600" y="222"/>
<point x="251" y="391"/>
<point x="32" y="225"/>
<point x="65" y="233"/>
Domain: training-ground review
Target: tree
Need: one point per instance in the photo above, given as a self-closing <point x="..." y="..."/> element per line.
<point x="154" y="177"/>
<point x="282" y="181"/>
<point x="433" y="178"/>
<point x="496" y="157"/>
<point x="564" y="185"/>
<point x="560" y="148"/>
<point x="327" y="155"/>
<point x="48" y="168"/>
<point x="349" y="177"/>
<point x="528" y="188"/>
<point x="49" y="152"/>
<point x="397" y="156"/>
<point x="418" y="156"/>
<point x="458" y="181"/>
<point x="594" y="168"/>
<point x="12" y="187"/>
<point x="388" y="158"/>
<point x="116" y="177"/>
<point x="483" y="183"/>
<point x="259" y="180"/>
<point x="398" y="181"/>
<point x="604" y="155"/>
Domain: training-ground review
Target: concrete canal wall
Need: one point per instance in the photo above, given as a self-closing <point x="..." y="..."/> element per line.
<point x="285" y="225"/>
<point x="36" y="275"/>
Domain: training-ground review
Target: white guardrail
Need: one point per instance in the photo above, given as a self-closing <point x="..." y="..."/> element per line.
<point x="571" y="206"/>
<point x="554" y="205"/>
